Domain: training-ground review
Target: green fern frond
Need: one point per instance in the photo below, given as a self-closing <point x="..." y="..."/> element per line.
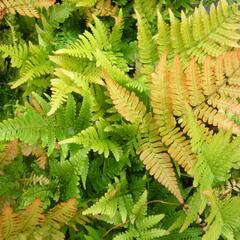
<point x="36" y="65"/>
<point x="146" y="9"/>
<point x="18" y="54"/>
<point x="193" y="209"/>
<point x="85" y="113"/>
<point x="230" y="215"/>
<point x="202" y="33"/>
<point x="149" y="221"/>
<point x="86" y="45"/>
<point x="146" y="46"/>
<point x="85" y="3"/>
<point x="96" y="139"/>
<point x="117" y="31"/>
<point x="63" y="85"/>
<point x="107" y="204"/>
<point x="142" y="226"/>
<point x="223" y="149"/>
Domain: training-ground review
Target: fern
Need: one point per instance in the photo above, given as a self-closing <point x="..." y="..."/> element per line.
<point x="25" y="8"/>
<point x="9" y="154"/>
<point x="33" y="221"/>
<point x="168" y="104"/>
<point x="142" y="227"/>
<point x="32" y="126"/>
<point x="133" y="82"/>
<point x="202" y="33"/>
<point x="89" y="47"/>
<point x="151" y="147"/>
<point x="96" y="139"/>
<point x="18" y="53"/>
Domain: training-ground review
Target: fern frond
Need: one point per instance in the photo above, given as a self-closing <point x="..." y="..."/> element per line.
<point x="61" y="213"/>
<point x="152" y="152"/>
<point x="127" y="104"/>
<point x="24" y="7"/>
<point x="193" y="210"/>
<point x="9" y="153"/>
<point x="107" y="204"/>
<point x="202" y="33"/>
<point x="116" y="34"/>
<point x="85" y="112"/>
<point x="211" y="116"/>
<point x="10" y="223"/>
<point x="146" y="9"/>
<point x="151" y="148"/>
<point x="32" y="216"/>
<point x="18" y="54"/>
<point x="62" y="86"/>
<point x="146" y="46"/>
<point x="193" y="82"/>
<point x="35" y="179"/>
<point x="160" y="97"/>
<point x="35" y="66"/>
<point x="225" y="150"/>
<point x="102" y="8"/>
<point x="163" y="109"/>
<point x="230" y="215"/>
<point x="94" y="138"/>
<point x="32" y="223"/>
<point x="149" y="221"/>
<point x="87" y="43"/>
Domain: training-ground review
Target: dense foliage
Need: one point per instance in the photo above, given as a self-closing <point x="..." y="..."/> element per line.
<point x="119" y="119"/>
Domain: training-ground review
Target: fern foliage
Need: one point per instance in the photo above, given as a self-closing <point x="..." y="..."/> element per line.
<point x="25" y="8"/>
<point x="33" y="223"/>
<point x="140" y="136"/>
<point x="202" y="33"/>
<point x="170" y="92"/>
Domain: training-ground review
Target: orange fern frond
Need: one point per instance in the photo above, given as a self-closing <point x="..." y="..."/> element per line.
<point x="23" y="7"/>
<point x="36" y="151"/>
<point x="103" y="8"/>
<point x="32" y="216"/>
<point x="161" y="102"/>
<point x="178" y="89"/>
<point x="211" y="90"/>
<point x="208" y="80"/>
<point x="151" y="150"/>
<point x="153" y="154"/>
<point x="127" y="104"/>
<point x="61" y="213"/>
<point x="10" y="223"/>
<point x="9" y="153"/>
<point x="32" y="221"/>
<point x="193" y="83"/>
